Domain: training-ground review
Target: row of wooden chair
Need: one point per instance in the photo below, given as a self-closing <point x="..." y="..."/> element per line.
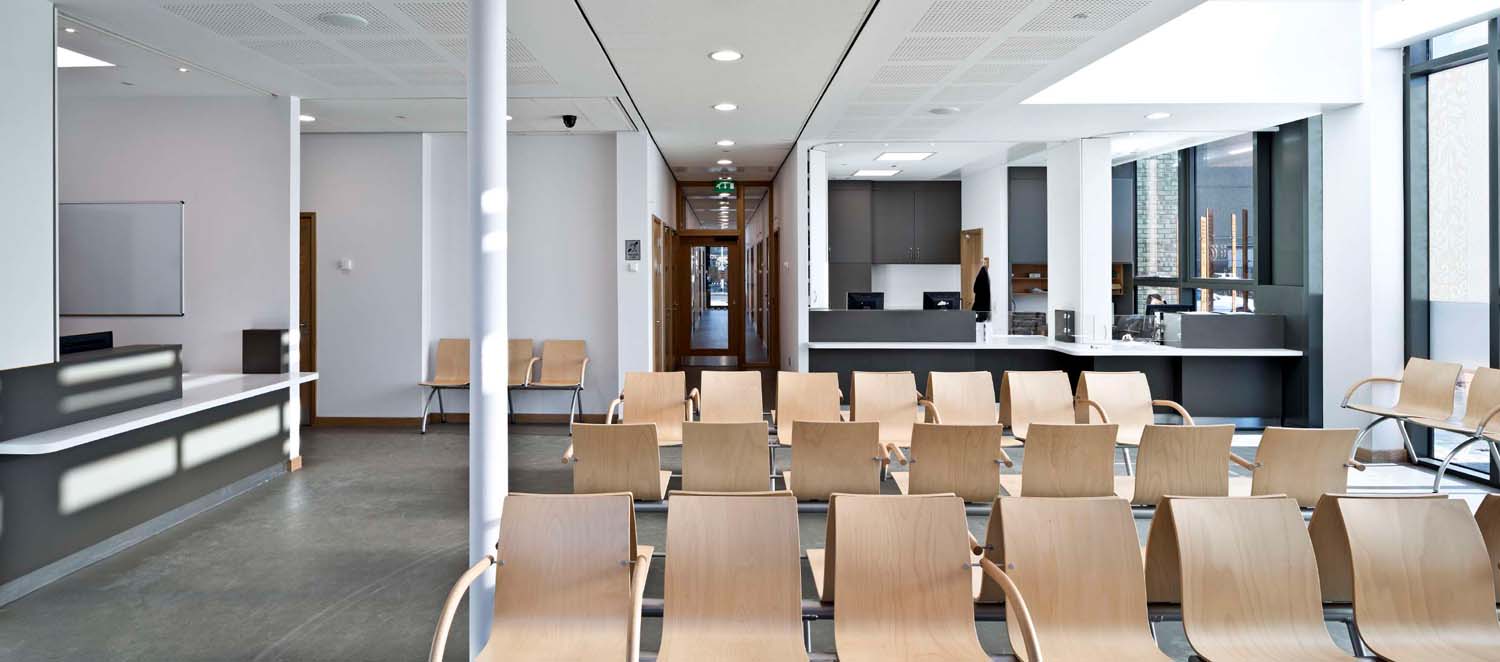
<point x="564" y="367"/>
<point x="1250" y="578"/>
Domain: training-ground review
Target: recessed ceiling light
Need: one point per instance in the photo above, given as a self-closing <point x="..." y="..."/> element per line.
<point x="725" y="143"/>
<point x="903" y="156"/>
<point x="67" y="59"/>
<point x="723" y="195"/>
<point x="345" y="20"/>
<point x="725" y="55"/>
<point x="507" y="118"/>
<point x="876" y="173"/>
<point x="306" y="118"/>
<point x="944" y="110"/>
<point x="70" y="30"/>
<point x="725" y="162"/>
<point x="182" y="70"/>
<point x="1158" y="115"/>
<point x="725" y="107"/>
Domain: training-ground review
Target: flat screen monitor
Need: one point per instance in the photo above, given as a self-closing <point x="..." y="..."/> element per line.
<point x="867" y="301"/>
<point x="1170" y="308"/>
<point x="941" y="301"/>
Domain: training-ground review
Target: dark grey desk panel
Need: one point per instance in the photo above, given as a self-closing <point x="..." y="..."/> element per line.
<point x="42" y="397"/>
<point x="891" y="326"/>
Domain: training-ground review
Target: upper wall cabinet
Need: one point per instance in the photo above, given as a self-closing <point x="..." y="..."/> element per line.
<point x="849" y="222"/>
<point x="915" y="222"/>
<point x="939" y="222"/>
<point x="1028" y="215"/>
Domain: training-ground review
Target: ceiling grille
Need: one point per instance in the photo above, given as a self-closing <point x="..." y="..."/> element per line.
<point x="309" y="12"/>
<point x="911" y="74"/>
<point x="1029" y="48"/>
<point x="438" y="17"/>
<point x="238" y="19"/>
<point x="999" y="73"/>
<point x="392" y="51"/>
<point x="920" y="49"/>
<point x="969" y="93"/>
<point x="1083" y="15"/>
<point x="429" y="75"/>
<point x="347" y="76"/>
<point x="297" y="51"/>
<point x="530" y="74"/>
<point x="891" y="94"/>
<point x="969" y="15"/>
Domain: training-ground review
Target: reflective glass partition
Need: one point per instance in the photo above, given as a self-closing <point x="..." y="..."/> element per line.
<point x="709" y="269"/>
<point x="1157" y="211"/>
<point x="1223" y="234"/>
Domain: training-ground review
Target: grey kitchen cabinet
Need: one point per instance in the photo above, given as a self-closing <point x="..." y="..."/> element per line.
<point x="892" y="223"/>
<point x="938" y="223"/>
<point x="846" y="277"/>
<point x="849" y="222"/>
<point x="1028" y="215"/>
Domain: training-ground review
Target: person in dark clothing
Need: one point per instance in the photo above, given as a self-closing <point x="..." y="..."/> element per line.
<point x="982" y="292"/>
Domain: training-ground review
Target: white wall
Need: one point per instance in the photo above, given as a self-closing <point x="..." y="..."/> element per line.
<point x="904" y="284"/>
<point x="790" y="187"/>
<point x="28" y="298"/>
<point x="448" y="263"/>
<point x="986" y="207"/>
<point x="634" y="156"/>
<point x="817" y="229"/>
<point x="230" y="160"/>
<point x="1079" y="208"/>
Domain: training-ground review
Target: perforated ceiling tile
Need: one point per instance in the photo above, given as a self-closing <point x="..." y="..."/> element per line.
<point x="309" y="12"/>
<point x="969" y="15"/>
<point x="458" y="46"/>
<point x="438" y="17"/>
<point x="969" y="93"/>
<point x="529" y="74"/>
<point x="927" y="49"/>
<point x="237" y="19"/>
<point x="1083" y="15"/>
<point x="517" y="52"/>
<point x="392" y="51"/>
<point x="911" y="74"/>
<point x="911" y="134"/>
<point x="999" y="73"/>
<point x="874" y="109"/>
<point x="297" y="51"/>
<point x="347" y="76"/>
<point x="861" y="123"/>
<point x="1030" y="48"/>
<point x="891" y="94"/>
<point x="926" y="123"/>
<point x="429" y="75"/>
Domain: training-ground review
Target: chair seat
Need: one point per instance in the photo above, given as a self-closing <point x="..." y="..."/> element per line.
<point x="1478" y="648"/>
<point x="1061" y="645"/>
<point x="959" y="645"/>
<point x="815" y="563"/>
<point x="1380" y="411"/>
<point x="561" y="643"/>
<point x="733" y="647"/>
<point x="559" y="385"/>
<point x="1265" y="649"/>
<point x="455" y="383"/>
<point x="1492" y="432"/>
<point x="903" y="481"/>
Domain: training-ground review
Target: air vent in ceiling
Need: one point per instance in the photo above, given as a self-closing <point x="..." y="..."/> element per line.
<point x="1083" y="15"/>
<point x="237" y="19"/>
<point x="309" y="12"/>
<point x="928" y="49"/>
<point x="982" y="16"/>
<point x="438" y="17"/>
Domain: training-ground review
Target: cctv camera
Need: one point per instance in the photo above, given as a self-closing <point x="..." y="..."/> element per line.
<point x="570" y="121"/>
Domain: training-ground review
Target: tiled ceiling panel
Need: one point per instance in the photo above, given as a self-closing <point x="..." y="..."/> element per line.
<point x="1034" y="48"/>
<point x="458" y="47"/>
<point x="347" y="76"/>
<point x="429" y="75"/>
<point x="911" y="74"/>
<point x="1083" y="15"/>
<point x="517" y="52"/>
<point x="438" y="17"/>
<point x="969" y="15"/>
<point x="969" y="93"/>
<point x="993" y="72"/>
<point x="309" y="12"/>
<point x="530" y="74"/>
<point x="919" y="49"/>
<point x="889" y="94"/>
<point x="297" y="51"/>
<point x="236" y="19"/>
<point x="392" y="51"/>
<point x="874" y="109"/>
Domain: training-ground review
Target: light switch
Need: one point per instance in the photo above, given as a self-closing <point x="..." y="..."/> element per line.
<point x="346" y="265"/>
<point x="633" y="265"/>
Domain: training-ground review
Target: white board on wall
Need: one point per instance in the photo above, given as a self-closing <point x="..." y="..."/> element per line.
<point x="120" y="258"/>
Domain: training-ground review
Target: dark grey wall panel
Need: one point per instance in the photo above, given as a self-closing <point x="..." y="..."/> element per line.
<point x="51" y="395"/>
<point x="1027" y="205"/>
<point x="890" y="326"/>
<point x="844" y="278"/>
<point x="1122" y="216"/>
<point x="893" y="224"/>
<point x="849" y="222"/>
<point x="939" y="212"/>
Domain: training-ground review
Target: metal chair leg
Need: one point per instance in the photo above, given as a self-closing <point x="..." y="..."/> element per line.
<point x="1125" y="452"/>
<point x="1354" y="641"/>
<point x="426" y="408"/>
<point x="442" y="413"/>
<point x="1411" y="451"/>
<point x="572" y="410"/>
<point x="510" y="405"/>
<point x="1437" y="483"/>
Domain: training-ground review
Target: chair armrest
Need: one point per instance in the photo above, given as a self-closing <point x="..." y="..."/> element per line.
<point x="1187" y="419"/>
<point x="610" y="416"/>
<point x="891" y="448"/>
<point x="583" y="371"/>
<point x="694" y="401"/>
<point x="450" y="606"/>
<point x="1368" y="380"/>
<point x="1018" y="605"/>
<point x="642" y="567"/>
<point x="1096" y="406"/>
<point x="1485" y="422"/>
<point x="1005" y="459"/>
<point x="568" y="455"/>
<point x="1355" y="465"/>
<point x="1248" y="465"/>
<point x="974" y="546"/>
<point x="932" y="411"/>
<point x="773" y="418"/>
<point x="526" y="381"/>
<point x="843" y="417"/>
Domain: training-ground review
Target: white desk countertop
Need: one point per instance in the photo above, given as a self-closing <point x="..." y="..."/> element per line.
<point x="199" y="392"/>
<point x="1114" y="348"/>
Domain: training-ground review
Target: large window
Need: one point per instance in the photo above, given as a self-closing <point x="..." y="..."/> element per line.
<point x="1157" y="214"/>
<point x="1223" y="235"/>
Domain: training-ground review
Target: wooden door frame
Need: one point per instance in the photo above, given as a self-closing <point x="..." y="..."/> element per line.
<point x="308" y="299"/>
<point x="968" y="270"/>
<point x="658" y="296"/>
<point x="736" y="342"/>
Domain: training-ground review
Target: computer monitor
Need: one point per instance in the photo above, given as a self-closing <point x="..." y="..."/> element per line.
<point x="867" y="301"/>
<point x="941" y="301"/>
<point x="1170" y="308"/>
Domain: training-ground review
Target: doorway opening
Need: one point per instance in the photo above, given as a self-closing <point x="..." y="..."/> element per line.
<point x="307" y="302"/>
<point x="720" y="271"/>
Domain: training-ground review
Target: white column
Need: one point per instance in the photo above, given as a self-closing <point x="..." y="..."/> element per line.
<point x="633" y="314"/>
<point x="986" y="206"/>
<point x="1079" y="232"/>
<point x="291" y="109"/>
<point x="488" y="201"/>
<point x="817" y="229"/>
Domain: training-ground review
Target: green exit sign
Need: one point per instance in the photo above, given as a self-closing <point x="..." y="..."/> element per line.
<point x="723" y="186"/>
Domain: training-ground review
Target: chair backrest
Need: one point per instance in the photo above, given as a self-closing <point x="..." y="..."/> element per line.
<point x="1331" y="543"/>
<point x="617" y="458"/>
<point x="730" y="397"/>
<point x="805" y="396"/>
<point x="1303" y="463"/>
<point x="1249" y="581"/>
<point x="724" y="457"/>
<point x="562" y="361"/>
<point x="1125" y="396"/>
<point x="1488" y="518"/>
<point x="902" y="569"/>
<point x="656" y="397"/>
<point x="963" y="398"/>
<point x="1421" y="573"/>
<point x="1427" y="388"/>
<point x="887" y="398"/>
<point x="1069" y="460"/>
<point x="835" y="457"/>
<point x="1182" y="460"/>
<point x="1078" y="564"/>
<point x="566" y="560"/>
<point x="452" y="360"/>
<point x="1163" y="565"/>
<point x="735" y="567"/>
<point x="956" y="459"/>
<point x="1027" y="397"/>
<point x="519" y="355"/>
<point x="1484" y="395"/>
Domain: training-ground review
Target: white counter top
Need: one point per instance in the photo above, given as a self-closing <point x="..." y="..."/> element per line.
<point x="1115" y="348"/>
<point x="199" y="392"/>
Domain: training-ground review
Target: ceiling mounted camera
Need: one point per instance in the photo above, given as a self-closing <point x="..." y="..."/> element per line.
<point x="570" y="121"/>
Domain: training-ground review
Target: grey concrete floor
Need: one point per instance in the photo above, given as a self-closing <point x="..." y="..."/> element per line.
<point x="348" y="559"/>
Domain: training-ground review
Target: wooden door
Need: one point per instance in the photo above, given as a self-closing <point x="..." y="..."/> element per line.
<point x="658" y="301"/>
<point x="695" y="304"/>
<point x="971" y="256"/>
<point x="307" y="242"/>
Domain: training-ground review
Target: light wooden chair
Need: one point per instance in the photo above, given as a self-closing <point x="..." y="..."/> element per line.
<point x="1423" y="587"/>
<point x="565" y="365"/>
<point x="730" y="397"/>
<point x="1331" y="544"/>
<point x="1123" y="398"/>
<point x="954" y="459"/>
<point x="887" y="398"/>
<point x="805" y="396"/>
<point x="1043" y="396"/>
<point x="1181" y="460"/>
<point x="1483" y="404"/>
<point x="654" y="397"/>
<point x="1427" y="389"/>
<point x="724" y="457"/>
<point x="1068" y="460"/>
<point x="1488" y="518"/>
<point x="569" y="580"/>
<point x="1163" y="560"/>
<point x="734" y="579"/>
<point x="1249" y="581"/>
<point x="905" y="585"/>
<point x="836" y="457"/>
<point x="522" y="360"/>
<point x="821" y="561"/>
<point x="1302" y="463"/>
<point x="452" y="373"/>
<point x="617" y="458"/>
<point x="1079" y="565"/>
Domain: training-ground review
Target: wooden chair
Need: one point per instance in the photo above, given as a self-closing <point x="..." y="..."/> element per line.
<point x="1123" y="398"/>
<point x="887" y="398"/>
<point x="905" y="586"/>
<point x="961" y="398"/>
<point x="452" y="373"/>
<point x="521" y="359"/>
<point x="617" y="458"/>
<point x="1479" y="412"/>
<point x="724" y="457"/>
<point x="565" y="365"/>
<point x="568" y="581"/>
<point x="1028" y="397"/>
<point x="1331" y="544"/>
<point x="1249" y="581"/>
<point x="821" y="561"/>
<point x="1302" y="463"/>
<point x="655" y="397"/>
<point x="1423" y="587"/>
<point x="954" y="459"/>
<point x="730" y="397"/>
<point x="1067" y="460"/>
<point x="1181" y="460"/>
<point x="805" y="396"/>
<point x="734" y="579"/>
<point x="1488" y="518"/>
<point x="836" y="457"/>
<point x="1079" y="565"/>
<point x="1427" y="389"/>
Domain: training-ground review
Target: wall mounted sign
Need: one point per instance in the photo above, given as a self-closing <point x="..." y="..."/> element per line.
<point x="632" y="250"/>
